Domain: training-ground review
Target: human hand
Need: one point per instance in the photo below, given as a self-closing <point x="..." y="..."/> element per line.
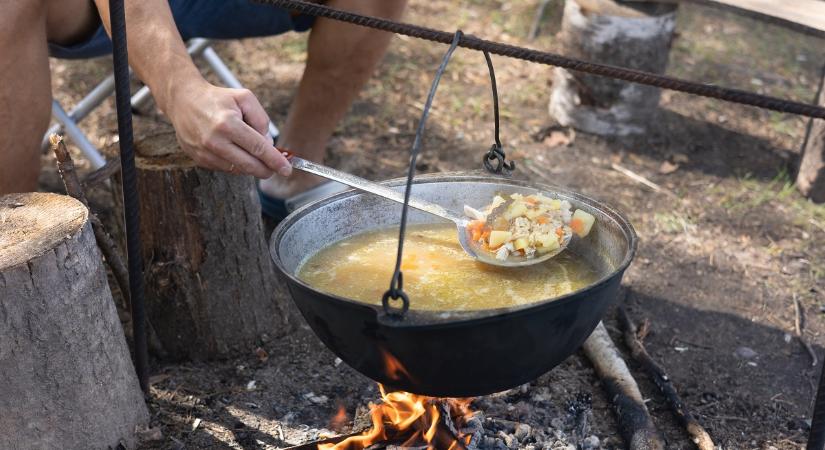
<point x="224" y="129"/>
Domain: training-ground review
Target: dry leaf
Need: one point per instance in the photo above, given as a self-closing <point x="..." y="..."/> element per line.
<point x="668" y="167"/>
<point x="262" y="354"/>
<point x="556" y="138"/>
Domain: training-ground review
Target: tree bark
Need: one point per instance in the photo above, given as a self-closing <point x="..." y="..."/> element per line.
<point x="607" y="32"/>
<point x="811" y="177"/>
<point x="211" y="288"/>
<point x="66" y="378"/>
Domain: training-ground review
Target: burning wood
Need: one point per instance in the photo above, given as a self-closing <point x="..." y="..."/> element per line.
<point x="408" y="421"/>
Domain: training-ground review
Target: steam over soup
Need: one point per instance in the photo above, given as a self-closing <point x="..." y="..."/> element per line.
<point x="438" y="275"/>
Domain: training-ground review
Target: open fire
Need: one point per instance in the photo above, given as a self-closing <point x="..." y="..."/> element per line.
<point x="409" y="420"/>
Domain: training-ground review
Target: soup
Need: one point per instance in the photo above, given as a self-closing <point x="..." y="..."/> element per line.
<point x="438" y="274"/>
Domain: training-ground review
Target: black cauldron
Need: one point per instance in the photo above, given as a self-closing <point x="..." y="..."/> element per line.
<point x="460" y="353"/>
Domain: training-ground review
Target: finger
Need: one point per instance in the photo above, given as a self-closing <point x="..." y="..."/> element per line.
<point x="253" y="113"/>
<point x="259" y="147"/>
<point x="243" y="161"/>
<point x="213" y="162"/>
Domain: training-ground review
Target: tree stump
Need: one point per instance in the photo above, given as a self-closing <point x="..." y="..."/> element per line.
<point x="605" y="31"/>
<point x="211" y="287"/>
<point x="811" y="177"/>
<point x="66" y="378"/>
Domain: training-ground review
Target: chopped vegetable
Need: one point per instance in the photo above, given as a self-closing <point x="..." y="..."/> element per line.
<point x="581" y="223"/>
<point x="498" y="238"/>
<point x="526" y="225"/>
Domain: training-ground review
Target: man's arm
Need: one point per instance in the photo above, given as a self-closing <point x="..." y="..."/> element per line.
<point x="220" y="128"/>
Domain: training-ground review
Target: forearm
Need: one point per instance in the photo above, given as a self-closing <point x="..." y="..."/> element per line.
<point x="156" y="51"/>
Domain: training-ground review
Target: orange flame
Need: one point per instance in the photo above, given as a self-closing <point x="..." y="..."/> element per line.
<point x="340" y="419"/>
<point x="393" y="367"/>
<point x="413" y="418"/>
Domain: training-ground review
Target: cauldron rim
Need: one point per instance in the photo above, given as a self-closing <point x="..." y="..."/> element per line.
<point x="442" y="319"/>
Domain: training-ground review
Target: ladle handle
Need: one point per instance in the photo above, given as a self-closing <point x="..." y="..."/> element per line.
<point x="368" y="186"/>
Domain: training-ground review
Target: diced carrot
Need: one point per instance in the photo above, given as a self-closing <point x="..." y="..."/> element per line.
<point x="486" y="234"/>
<point x="542" y="220"/>
<point x="476" y="234"/>
<point x="559" y="232"/>
<point x="531" y="201"/>
<point x="577" y="226"/>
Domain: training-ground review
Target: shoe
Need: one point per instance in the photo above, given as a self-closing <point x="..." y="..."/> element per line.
<point x="278" y="208"/>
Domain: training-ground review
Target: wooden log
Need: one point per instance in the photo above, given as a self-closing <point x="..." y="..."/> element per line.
<point x="211" y="288"/>
<point x="635" y="424"/>
<point x="604" y="31"/>
<point x="811" y="177"/>
<point x="66" y="378"/>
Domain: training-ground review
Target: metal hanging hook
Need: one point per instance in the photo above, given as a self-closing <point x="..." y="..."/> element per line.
<point x="496" y="153"/>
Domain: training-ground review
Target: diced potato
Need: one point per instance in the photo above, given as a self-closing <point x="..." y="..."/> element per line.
<point x="498" y="238"/>
<point x="582" y="222"/>
<point x="520" y="243"/>
<point x="517" y="209"/>
<point x="542" y="199"/>
<point x="547" y="242"/>
<point x="516" y="196"/>
<point x="555" y="204"/>
<point x="497" y="201"/>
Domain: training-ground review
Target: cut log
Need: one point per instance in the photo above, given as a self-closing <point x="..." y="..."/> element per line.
<point x="211" y="288"/>
<point x="604" y="31"/>
<point x="811" y="177"/>
<point x="66" y="378"/>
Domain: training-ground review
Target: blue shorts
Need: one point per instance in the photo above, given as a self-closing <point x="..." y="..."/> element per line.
<point x="213" y="19"/>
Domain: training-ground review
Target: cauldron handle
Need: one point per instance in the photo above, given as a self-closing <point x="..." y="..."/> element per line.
<point x="396" y="290"/>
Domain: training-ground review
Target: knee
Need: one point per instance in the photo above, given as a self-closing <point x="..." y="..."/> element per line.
<point x="387" y="9"/>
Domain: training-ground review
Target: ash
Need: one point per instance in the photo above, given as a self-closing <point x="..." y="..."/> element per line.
<point x="526" y="418"/>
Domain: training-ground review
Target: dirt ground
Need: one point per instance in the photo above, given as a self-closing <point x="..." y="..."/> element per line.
<point x="719" y="262"/>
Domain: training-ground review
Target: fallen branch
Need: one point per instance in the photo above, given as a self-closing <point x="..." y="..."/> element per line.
<point x="640" y="179"/>
<point x="633" y="338"/>
<point x="798" y="326"/>
<point x="65" y="166"/>
<point x="635" y="423"/>
<point x="102" y="174"/>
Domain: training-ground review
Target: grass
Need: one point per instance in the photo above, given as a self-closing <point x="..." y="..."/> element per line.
<point x="779" y="193"/>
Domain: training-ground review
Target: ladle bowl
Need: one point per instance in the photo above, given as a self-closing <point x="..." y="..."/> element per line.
<point x="457" y="353"/>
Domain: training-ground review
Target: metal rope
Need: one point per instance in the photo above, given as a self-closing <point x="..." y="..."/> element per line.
<point x="396" y="290"/>
<point x="131" y="203"/>
<point x="552" y="59"/>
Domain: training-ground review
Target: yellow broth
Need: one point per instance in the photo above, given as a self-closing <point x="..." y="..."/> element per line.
<point x="438" y="274"/>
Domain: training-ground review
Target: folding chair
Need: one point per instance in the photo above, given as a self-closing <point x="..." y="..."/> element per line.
<point x="68" y="121"/>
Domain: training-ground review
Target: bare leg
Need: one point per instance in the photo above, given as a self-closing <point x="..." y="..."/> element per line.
<point x="341" y="58"/>
<point x="25" y="90"/>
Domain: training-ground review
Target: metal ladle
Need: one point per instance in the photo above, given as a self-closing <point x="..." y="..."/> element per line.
<point x="471" y="247"/>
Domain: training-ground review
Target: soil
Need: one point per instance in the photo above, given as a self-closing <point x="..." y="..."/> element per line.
<point x="725" y="245"/>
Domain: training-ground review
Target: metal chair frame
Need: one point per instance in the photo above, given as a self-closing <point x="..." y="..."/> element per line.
<point x="67" y="122"/>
